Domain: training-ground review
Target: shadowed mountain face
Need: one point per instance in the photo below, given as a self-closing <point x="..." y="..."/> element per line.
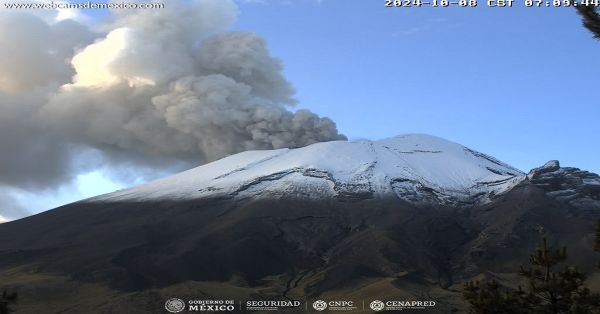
<point x="113" y="254"/>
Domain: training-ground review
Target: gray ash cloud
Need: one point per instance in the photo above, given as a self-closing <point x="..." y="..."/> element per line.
<point x="154" y="91"/>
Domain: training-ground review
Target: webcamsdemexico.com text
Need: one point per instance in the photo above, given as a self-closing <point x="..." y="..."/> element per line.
<point x="82" y="5"/>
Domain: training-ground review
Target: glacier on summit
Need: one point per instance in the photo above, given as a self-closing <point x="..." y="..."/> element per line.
<point x="417" y="168"/>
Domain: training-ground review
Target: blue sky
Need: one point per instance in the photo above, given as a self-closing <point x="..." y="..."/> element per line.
<point x="517" y="83"/>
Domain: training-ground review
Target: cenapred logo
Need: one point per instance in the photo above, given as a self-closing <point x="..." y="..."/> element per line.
<point x="399" y="305"/>
<point x="175" y="305"/>
<point x="377" y="305"/>
<point x="320" y="305"/>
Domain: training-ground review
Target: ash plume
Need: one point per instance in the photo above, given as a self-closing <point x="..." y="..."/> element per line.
<point x="153" y="91"/>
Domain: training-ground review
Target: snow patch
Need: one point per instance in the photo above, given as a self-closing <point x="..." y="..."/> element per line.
<point x="411" y="167"/>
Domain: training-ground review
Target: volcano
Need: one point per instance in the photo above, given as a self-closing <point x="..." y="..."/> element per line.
<point x="406" y="218"/>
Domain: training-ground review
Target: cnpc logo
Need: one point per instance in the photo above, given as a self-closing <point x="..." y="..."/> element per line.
<point x="338" y="305"/>
<point x="320" y="305"/>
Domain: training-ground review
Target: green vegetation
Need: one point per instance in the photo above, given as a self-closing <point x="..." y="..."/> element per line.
<point x="591" y="18"/>
<point x="6" y="299"/>
<point x="547" y="291"/>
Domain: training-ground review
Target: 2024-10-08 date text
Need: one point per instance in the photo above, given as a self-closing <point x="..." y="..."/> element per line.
<point x="489" y="3"/>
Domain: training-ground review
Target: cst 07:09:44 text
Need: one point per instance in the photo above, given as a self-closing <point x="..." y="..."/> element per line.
<point x="490" y="3"/>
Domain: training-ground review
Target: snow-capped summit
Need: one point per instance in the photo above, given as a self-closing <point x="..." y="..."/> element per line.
<point x="414" y="167"/>
<point x="327" y="217"/>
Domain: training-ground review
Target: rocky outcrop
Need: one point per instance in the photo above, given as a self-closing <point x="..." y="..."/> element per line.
<point x="573" y="186"/>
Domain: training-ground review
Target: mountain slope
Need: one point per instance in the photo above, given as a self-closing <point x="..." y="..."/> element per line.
<point x="327" y="221"/>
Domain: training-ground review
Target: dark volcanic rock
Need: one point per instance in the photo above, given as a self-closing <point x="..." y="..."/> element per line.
<point x="296" y="248"/>
<point x="578" y="188"/>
